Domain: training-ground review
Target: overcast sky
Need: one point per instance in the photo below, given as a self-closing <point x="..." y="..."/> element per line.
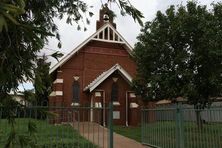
<point x="126" y="26"/>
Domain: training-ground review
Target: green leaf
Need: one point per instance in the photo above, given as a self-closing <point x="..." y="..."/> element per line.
<point x="78" y="27"/>
<point x="11" y="139"/>
<point x="32" y="128"/>
<point x="11" y="8"/>
<point x="91" y="14"/>
<point x="23" y="140"/>
<point x="87" y="21"/>
<point x="59" y="45"/>
<point x="10" y="17"/>
<point x="57" y="55"/>
<point x="21" y="3"/>
<point x="3" y="24"/>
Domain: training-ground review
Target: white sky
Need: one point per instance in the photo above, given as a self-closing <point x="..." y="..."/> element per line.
<point x="126" y="26"/>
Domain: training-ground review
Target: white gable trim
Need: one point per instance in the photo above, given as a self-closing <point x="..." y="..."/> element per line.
<point x="120" y="40"/>
<point x="105" y="75"/>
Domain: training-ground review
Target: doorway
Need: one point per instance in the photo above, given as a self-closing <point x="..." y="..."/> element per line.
<point x="98" y="104"/>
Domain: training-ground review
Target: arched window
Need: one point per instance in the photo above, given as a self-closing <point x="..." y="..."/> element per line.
<point x="76" y="91"/>
<point x="114" y="92"/>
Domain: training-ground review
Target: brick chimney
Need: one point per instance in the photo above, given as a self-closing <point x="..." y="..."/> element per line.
<point x="105" y="17"/>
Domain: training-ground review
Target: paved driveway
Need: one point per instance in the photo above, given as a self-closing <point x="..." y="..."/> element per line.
<point x="98" y="135"/>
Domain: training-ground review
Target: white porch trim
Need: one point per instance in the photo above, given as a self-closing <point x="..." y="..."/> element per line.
<point x="105" y="75"/>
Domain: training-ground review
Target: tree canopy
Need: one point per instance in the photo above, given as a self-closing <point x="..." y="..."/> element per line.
<point x="42" y="81"/>
<point x="25" y="26"/>
<point x="179" y="54"/>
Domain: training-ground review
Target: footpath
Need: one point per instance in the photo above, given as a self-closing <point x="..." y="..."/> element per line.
<point x="98" y="135"/>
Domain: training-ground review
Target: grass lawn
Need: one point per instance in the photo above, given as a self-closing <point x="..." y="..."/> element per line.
<point x="163" y="134"/>
<point x="48" y="135"/>
<point x="130" y="132"/>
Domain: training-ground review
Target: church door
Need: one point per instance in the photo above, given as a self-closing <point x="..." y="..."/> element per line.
<point x="98" y="104"/>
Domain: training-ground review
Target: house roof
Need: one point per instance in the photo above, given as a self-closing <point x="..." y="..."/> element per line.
<point x="96" y="82"/>
<point x="164" y="101"/>
<point x="112" y="37"/>
<point x="16" y="94"/>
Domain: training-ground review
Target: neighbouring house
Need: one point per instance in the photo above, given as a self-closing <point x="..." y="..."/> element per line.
<point x="19" y="97"/>
<point x="189" y="113"/>
<point x="99" y="70"/>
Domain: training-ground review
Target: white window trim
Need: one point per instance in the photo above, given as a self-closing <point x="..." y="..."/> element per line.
<point x="134" y="105"/>
<point x="57" y="81"/>
<point x="75" y="104"/>
<point x="98" y="104"/>
<point x="116" y="103"/>
<point x="56" y="93"/>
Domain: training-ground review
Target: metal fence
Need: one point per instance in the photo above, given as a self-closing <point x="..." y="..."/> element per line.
<point x="60" y="127"/>
<point x="178" y="127"/>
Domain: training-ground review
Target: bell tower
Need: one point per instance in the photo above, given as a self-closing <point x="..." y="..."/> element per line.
<point x="105" y="16"/>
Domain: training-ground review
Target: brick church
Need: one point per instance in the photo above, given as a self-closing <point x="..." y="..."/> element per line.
<point x="99" y="70"/>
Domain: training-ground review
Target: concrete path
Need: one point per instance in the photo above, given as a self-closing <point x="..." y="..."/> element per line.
<point x="98" y="135"/>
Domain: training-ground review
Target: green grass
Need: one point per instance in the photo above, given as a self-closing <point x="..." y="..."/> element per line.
<point x="163" y="134"/>
<point x="48" y="135"/>
<point x="130" y="132"/>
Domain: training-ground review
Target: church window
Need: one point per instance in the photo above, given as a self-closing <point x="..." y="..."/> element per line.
<point x="76" y="92"/>
<point x="114" y="92"/>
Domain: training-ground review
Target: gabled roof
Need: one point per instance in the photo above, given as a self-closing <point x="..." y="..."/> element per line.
<point x="112" y="37"/>
<point x="96" y="82"/>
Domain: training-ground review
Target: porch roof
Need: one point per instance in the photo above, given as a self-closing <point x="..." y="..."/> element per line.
<point x="103" y="76"/>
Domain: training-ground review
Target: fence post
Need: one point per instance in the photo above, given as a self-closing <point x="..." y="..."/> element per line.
<point x="179" y="127"/>
<point x="141" y="111"/>
<point x="110" y="125"/>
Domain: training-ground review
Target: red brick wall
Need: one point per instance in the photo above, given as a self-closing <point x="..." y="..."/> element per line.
<point x="93" y="59"/>
<point x="90" y="62"/>
<point x="123" y="87"/>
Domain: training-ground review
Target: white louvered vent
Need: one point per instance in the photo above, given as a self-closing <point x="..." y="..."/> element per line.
<point x="108" y="34"/>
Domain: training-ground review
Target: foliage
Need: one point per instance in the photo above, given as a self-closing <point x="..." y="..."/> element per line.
<point x="42" y="81"/>
<point x="127" y="8"/>
<point x="179" y="55"/>
<point x="47" y="135"/>
<point x="29" y="96"/>
<point x="25" y="26"/>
